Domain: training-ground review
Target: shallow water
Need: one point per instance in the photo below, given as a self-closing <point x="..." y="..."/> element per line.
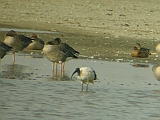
<point x="123" y="91"/>
<point x="27" y="30"/>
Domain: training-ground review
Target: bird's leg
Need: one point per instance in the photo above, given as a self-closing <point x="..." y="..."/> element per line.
<point x="61" y="69"/>
<point x="82" y="86"/>
<point x="13" y="57"/>
<point x="52" y="69"/>
<point x="55" y="69"/>
<point x="87" y="88"/>
<point x="0" y="65"/>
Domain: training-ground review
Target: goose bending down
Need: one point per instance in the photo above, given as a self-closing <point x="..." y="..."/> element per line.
<point x="57" y="52"/>
<point x="17" y="41"/>
<point x="37" y="43"/>
<point x="4" y="49"/>
<point x="86" y="75"/>
<point x="140" y="52"/>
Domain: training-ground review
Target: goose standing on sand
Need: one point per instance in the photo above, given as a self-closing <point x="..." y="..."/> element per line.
<point x="140" y="52"/>
<point x="37" y="43"/>
<point x="57" y="52"/>
<point x="156" y="71"/>
<point x="17" y="41"/>
<point x="4" y="49"/>
<point x="86" y="75"/>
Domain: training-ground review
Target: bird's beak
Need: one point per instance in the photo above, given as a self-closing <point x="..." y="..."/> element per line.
<point x="76" y="70"/>
<point x="73" y="74"/>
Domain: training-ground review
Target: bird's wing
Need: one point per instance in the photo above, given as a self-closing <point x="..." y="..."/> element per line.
<point x="25" y="41"/>
<point x="95" y="75"/>
<point x="68" y="51"/>
<point x="5" y="47"/>
<point x="144" y="52"/>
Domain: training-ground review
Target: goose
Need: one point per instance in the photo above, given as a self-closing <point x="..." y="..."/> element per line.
<point x="57" y="52"/>
<point x="37" y="43"/>
<point x="17" y="41"/>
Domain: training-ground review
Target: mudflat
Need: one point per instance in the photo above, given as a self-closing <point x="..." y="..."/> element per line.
<point x="102" y="29"/>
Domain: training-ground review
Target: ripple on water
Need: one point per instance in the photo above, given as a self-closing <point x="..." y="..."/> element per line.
<point x="122" y="92"/>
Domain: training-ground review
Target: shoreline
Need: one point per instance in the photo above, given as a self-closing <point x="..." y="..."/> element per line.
<point x="99" y="28"/>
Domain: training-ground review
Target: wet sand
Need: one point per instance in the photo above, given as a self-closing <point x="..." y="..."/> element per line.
<point x="100" y="29"/>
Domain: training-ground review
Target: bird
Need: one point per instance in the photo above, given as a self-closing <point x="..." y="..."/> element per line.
<point x="17" y="41"/>
<point x="57" y="52"/>
<point x="4" y="49"/>
<point x="158" y="48"/>
<point x="140" y="52"/>
<point x="37" y="43"/>
<point x="156" y="71"/>
<point x="86" y="75"/>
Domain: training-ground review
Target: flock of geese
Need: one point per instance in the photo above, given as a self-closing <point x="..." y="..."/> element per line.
<point x="57" y="52"/>
<point x="54" y="50"/>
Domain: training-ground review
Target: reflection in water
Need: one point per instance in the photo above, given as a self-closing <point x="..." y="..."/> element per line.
<point x="122" y="92"/>
<point x="15" y="71"/>
<point x="61" y="78"/>
<point x="57" y="74"/>
<point x="28" y="30"/>
<point x="139" y="65"/>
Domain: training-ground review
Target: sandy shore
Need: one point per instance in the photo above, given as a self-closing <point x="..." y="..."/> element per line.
<point x="110" y="25"/>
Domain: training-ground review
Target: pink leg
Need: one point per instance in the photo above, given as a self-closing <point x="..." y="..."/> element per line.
<point x="62" y="69"/>
<point x="13" y="57"/>
<point x="52" y="69"/>
<point x="55" y="69"/>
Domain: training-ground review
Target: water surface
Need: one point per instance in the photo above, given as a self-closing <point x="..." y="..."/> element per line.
<point x="123" y="92"/>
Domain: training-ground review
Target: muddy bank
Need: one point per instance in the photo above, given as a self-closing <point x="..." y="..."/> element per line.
<point x="101" y="47"/>
<point x="100" y="29"/>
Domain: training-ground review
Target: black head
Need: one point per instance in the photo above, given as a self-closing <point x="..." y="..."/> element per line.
<point x="55" y="41"/>
<point x="137" y="46"/>
<point x="76" y="70"/>
<point x="11" y="33"/>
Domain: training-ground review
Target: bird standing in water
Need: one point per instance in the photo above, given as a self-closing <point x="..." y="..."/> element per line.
<point x="57" y="52"/>
<point x="86" y="75"/>
<point x="17" y="41"/>
<point x="140" y="52"/>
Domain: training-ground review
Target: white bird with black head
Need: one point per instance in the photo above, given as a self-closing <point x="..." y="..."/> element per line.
<point x="86" y="75"/>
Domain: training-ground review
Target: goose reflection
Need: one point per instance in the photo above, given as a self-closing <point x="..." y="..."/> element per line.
<point x="15" y="71"/>
<point x="58" y="77"/>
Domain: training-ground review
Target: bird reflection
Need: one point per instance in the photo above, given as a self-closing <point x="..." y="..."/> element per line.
<point x="57" y="76"/>
<point x="139" y="65"/>
<point x="15" y="71"/>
